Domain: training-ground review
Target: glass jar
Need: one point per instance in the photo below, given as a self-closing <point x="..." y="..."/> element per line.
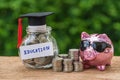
<point x="38" y="36"/>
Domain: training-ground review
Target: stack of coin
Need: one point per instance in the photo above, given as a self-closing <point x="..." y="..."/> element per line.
<point x="74" y="54"/>
<point x="78" y="66"/>
<point x="63" y="56"/>
<point x="68" y="65"/>
<point x="57" y="64"/>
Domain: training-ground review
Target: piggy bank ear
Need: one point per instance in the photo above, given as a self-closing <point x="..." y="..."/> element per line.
<point x="104" y="37"/>
<point x="84" y="35"/>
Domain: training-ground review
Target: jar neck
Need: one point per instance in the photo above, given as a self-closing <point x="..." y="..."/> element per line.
<point x="41" y="28"/>
<point x="38" y="29"/>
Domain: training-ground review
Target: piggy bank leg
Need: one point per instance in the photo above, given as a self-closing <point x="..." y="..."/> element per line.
<point x="108" y="64"/>
<point x="101" y="67"/>
<point x="86" y="65"/>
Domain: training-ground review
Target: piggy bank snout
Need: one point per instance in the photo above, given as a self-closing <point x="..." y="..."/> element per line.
<point x="89" y="54"/>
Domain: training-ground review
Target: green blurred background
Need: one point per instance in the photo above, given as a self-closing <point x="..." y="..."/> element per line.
<point x="70" y="19"/>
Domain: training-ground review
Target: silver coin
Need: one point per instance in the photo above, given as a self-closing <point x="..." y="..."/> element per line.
<point x="68" y="69"/>
<point x="78" y="66"/>
<point x="68" y="66"/>
<point x="74" y="54"/>
<point x="63" y="56"/>
<point x="57" y="64"/>
<point x="43" y="60"/>
<point x="28" y="61"/>
<point x="42" y="38"/>
<point x="68" y="61"/>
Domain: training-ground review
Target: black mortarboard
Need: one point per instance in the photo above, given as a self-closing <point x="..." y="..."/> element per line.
<point x="36" y="19"/>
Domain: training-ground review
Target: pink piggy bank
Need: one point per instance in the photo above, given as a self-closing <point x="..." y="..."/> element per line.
<point x="96" y="50"/>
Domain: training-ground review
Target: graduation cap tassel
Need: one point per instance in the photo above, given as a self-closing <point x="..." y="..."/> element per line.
<point x="19" y="32"/>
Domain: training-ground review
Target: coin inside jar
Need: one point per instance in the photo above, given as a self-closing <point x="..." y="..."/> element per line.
<point x="43" y="60"/>
<point x="28" y="61"/>
<point x="42" y="38"/>
<point x="30" y="41"/>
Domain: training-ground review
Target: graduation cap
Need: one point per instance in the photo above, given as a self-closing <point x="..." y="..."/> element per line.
<point x="34" y="19"/>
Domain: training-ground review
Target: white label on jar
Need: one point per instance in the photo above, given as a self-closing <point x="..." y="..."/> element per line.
<point x="36" y="50"/>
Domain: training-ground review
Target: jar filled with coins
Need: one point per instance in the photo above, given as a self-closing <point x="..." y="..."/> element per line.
<point x="38" y="47"/>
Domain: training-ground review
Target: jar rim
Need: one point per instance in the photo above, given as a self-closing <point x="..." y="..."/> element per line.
<point x="35" y="29"/>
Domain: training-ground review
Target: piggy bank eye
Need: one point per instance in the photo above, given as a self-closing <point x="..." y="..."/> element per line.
<point x="100" y="46"/>
<point x="97" y="46"/>
<point x="84" y="44"/>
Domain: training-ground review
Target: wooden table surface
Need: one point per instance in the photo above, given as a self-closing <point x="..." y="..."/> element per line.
<point x="11" y="68"/>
